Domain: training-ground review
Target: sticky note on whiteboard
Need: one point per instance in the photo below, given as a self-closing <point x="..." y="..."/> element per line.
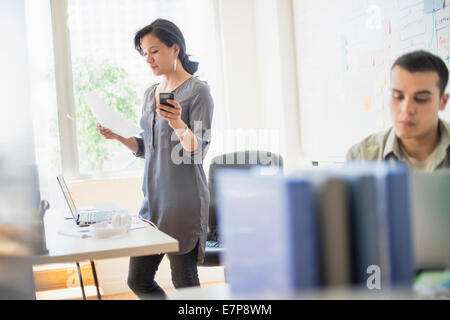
<point x="367" y="103"/>
<point x="386" y="25"/>
<point x="442" y="19"/>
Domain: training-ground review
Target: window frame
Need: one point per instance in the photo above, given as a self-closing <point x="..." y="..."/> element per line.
<point x="64" y="89"/>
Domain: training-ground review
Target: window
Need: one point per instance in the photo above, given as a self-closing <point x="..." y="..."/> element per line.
<point x="96" y="52"/>
<point x="43" y="97"/>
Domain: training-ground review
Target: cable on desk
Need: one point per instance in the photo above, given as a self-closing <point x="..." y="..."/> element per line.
<point x="149" y="222"/>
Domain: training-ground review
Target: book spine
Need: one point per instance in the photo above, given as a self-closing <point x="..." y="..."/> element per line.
<point x="304" y="236"/>
<point x="332" y="207"/>
<point x="400" y="226"/>
<point x="364" y="227"/>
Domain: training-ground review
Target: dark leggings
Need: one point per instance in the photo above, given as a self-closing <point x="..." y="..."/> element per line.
<point x="141" y="274"/>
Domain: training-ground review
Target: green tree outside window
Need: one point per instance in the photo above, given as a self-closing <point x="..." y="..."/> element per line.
<point x="111" y="83"/>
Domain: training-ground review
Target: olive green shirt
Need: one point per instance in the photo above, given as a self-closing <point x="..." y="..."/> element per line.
<point x="385" y="146"/>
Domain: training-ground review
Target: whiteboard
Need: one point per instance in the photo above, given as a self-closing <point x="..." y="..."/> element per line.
<point x="345" y="50"/>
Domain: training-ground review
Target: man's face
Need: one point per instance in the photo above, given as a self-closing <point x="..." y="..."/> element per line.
<point x="415" y="102"/>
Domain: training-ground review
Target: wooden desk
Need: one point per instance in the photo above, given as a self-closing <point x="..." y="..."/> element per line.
<point x="62" y="248"/>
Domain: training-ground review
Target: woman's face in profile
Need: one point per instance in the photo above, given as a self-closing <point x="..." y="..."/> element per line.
<point x="158" y="55"/>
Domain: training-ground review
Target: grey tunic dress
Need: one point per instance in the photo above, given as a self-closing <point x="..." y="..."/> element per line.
<point x="176" y="195"/>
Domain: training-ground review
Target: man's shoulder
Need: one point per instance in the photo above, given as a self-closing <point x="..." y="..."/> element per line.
<point x="446" y="124"/>
<point x="370" y="148"/>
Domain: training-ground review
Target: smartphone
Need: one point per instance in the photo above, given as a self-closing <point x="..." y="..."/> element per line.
<point x="163" y="99"/>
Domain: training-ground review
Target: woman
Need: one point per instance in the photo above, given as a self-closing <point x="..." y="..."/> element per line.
<point x="173" y="143"/>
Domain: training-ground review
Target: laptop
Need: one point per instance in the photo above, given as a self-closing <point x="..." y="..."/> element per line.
<point x="86" y="217"/>
<point x="431" y="219"/>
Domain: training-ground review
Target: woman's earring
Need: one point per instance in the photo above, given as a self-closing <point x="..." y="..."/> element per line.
<point x="175" y="65"/>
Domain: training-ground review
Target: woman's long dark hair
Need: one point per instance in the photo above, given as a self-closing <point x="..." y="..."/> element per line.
<point x="169" y="34"/>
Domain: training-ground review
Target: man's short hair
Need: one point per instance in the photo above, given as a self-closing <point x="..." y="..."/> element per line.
<point x="420" y="61"/>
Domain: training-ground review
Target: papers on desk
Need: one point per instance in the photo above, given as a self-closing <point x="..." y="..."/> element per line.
<point x="109" y="118"/>
<point x="85" y="232"/>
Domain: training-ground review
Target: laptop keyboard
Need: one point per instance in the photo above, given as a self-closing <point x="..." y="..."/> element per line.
<point x="99" y="216"/>
<point x="96" y="216"/>
<point x="213" y="244"/>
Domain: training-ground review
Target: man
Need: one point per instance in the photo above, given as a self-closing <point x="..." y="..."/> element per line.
<point x="418" y="136"/>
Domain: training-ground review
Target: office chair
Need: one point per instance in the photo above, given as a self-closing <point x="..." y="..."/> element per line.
<point x="236" y="160"/>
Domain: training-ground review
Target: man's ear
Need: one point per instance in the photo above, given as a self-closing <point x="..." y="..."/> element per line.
<point x="444" y="101"/>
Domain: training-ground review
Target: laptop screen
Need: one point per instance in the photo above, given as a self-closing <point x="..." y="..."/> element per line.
<point x="66" y="192"/>
<point x="431" y="219"/>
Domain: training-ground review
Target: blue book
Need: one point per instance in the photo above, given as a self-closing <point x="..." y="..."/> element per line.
<point x="331" y="203"/>
<point x="269" y="232"/>
<point x="394" y="182"/>
<point x="390" y="216"/>
<point x="364" y="211"/>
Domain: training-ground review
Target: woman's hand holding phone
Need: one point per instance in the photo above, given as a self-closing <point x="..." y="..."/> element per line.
<point x="171" y="114"/>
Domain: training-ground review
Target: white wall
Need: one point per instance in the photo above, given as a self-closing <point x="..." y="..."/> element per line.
<point x="260" y="72"/>
<point x="241" y="67"/>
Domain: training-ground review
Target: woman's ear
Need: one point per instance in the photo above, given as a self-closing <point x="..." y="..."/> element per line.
<point x="176" y="49"/>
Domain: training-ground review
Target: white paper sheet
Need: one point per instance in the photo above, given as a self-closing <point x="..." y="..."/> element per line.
<point x="109" y="118"/>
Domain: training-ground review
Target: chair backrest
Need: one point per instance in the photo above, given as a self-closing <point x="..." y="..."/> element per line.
<point x="236" y="160"/>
